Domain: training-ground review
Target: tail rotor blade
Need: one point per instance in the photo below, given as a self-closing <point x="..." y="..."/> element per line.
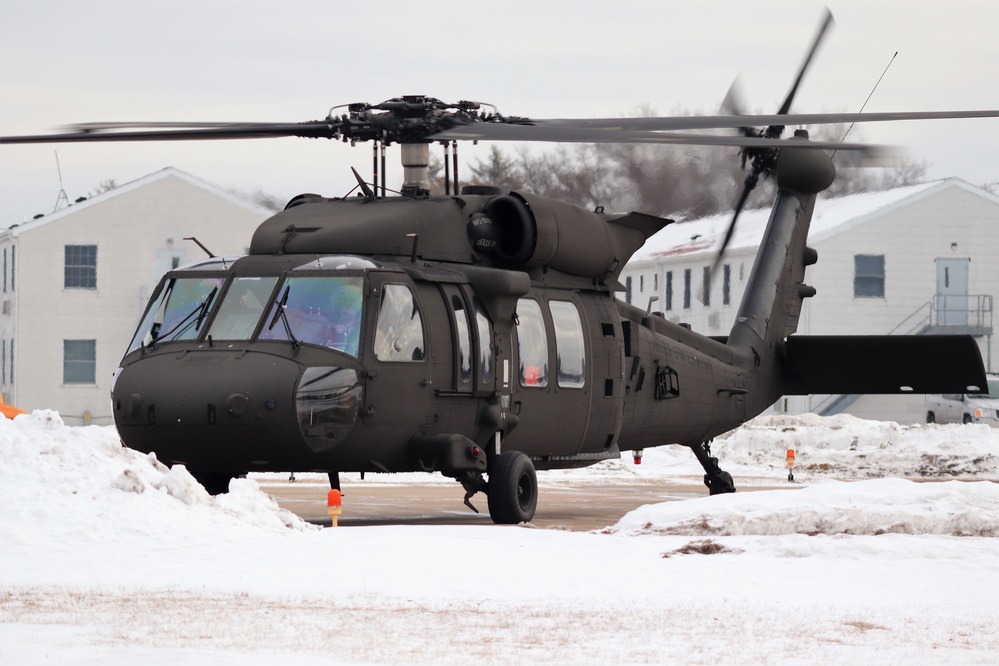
<point x="827" y="22"/>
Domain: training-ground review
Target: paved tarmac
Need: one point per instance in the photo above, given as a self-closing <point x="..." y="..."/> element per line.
<point x="580" y="508"/>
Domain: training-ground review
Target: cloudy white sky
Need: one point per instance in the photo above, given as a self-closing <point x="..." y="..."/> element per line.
<point x="63" y="62"/>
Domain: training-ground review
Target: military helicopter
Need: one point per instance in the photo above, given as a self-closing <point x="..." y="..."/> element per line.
<point x="477" y="334"/>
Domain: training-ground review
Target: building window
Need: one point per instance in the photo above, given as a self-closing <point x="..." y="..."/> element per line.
<point x="707" y="286"/>
<point x="726" y="284"/>
<point x="79" y="361"/>
<point x="669" y="290"/>
<point x="869" y="276"/>
<point x="81" y="267"/>
<point x="641" y="284"/>
<point x="627" y="290"/>
<point x="655" y="281"/>
<point x="686" y="288"/>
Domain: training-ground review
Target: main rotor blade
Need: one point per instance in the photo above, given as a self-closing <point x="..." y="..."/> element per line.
<point x="568" y="134"/>
<point x="760" y="120"/>
<point x="823" y="28"/>
<point x="312" y="129"/>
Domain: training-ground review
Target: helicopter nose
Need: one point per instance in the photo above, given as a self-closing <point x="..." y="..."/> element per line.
<point x="206" y="389"/>
<point x="242" y="409"/>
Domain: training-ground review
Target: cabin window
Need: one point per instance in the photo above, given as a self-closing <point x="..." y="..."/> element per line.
<point x="399" y="335"/>
<point x="324" y="311"/>
<point x="242" y="308"/>
<point x="80" y="269"/>
<point x="532" y="343"/>
<point x="463" y="336"/>
<point x="570" y="357"/>
<point x="484" y="330"/>
<point x="869" y="276"/>
<point x="178" y="312"/>
<point x="79" y="361"/>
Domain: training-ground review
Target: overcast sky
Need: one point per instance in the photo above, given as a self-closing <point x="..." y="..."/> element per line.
<point x="65" y="61"/>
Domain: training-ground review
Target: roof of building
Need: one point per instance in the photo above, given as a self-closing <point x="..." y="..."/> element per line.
<point x="832" y="216"/>
<point x="168" y="172"/>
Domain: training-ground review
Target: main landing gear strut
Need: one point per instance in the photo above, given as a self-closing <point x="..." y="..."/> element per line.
<point x="716" y="479"/>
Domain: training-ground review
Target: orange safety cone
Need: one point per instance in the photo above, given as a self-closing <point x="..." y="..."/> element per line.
<point x="333" y="505"/>
<point x="790" y="464"/>
<point x="10" y="411"/>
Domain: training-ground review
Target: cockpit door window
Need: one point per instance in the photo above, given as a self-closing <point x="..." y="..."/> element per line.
<point x="399" y="333"/>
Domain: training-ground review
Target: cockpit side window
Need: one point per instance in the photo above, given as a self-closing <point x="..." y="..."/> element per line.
<point x="399" y="334"/>
<point x="322" y="310"/>
<point x="179" y="311"/>
<point x="241" y="308"/>
<point x="532" y="343"/>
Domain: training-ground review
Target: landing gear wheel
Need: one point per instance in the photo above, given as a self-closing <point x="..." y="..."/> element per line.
<point x="721" y="482"/>
<point x="216" y="483"/>
<point x="513" y="489"/>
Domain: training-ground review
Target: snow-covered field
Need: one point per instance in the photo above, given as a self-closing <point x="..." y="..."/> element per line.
<point x="107" y="557"/>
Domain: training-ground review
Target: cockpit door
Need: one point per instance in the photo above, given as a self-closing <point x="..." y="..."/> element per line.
<point x="398" y="368"/>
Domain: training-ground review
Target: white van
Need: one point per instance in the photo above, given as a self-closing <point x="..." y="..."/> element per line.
<point x="961" y="408"/>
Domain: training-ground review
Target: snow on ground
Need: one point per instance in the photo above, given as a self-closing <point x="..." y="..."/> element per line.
<point x="107" y="556"/>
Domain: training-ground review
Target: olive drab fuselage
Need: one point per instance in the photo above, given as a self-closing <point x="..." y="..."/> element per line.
<point x="452" y="347"/>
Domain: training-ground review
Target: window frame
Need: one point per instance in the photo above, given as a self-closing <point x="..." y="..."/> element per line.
<point x="874" y="282"/>
<point x="83" y="275"/>
<point x="91" y="379"/>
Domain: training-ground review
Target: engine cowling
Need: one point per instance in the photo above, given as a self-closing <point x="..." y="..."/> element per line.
<point x="528" y="231"/>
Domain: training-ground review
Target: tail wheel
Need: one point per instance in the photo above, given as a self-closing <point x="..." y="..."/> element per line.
<point x="513" y="489"/>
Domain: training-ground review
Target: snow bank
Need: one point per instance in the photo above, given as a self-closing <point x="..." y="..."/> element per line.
<point x="885" y="506"/>
<point x="81" y="483"/>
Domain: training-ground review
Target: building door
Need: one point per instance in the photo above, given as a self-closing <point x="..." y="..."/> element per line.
<point x="952" y="291"/>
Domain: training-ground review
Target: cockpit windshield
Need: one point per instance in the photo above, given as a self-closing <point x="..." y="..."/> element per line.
<point x="179" y="310"/>
<point x="305" y="307"/>
<point x="320" y="310"/>
<point x="241" y="308"/>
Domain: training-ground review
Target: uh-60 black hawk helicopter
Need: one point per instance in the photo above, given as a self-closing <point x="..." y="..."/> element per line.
<point x="477" y="334"/>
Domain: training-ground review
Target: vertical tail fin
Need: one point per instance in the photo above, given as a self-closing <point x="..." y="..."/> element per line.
<point x="775" y="292"/>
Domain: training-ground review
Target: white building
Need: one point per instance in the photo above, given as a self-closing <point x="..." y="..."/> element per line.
<point x="75" y="283"/>
<point x="913" y="260"/>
